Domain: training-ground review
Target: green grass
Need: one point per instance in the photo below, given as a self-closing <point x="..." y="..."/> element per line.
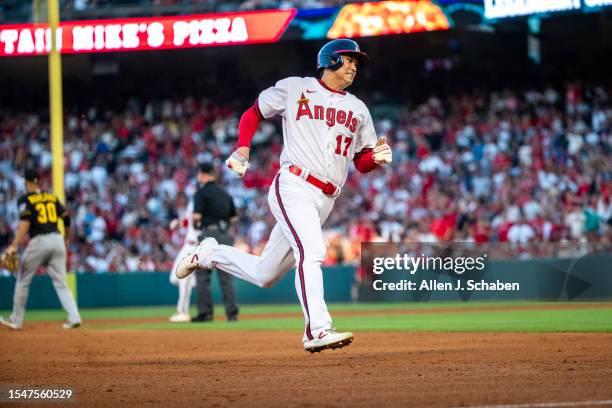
<point x="585" y="320"/>
<point x="421" y="317"/>
<point x="143" y="312"/>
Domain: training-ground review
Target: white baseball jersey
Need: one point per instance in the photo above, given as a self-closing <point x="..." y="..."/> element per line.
<point x="323" y="129"/>
<point x="191" y="235"/>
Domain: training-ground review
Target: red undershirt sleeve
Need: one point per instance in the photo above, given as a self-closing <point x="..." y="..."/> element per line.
<point x="364" y="161"/>
<point x="248" y="125"/>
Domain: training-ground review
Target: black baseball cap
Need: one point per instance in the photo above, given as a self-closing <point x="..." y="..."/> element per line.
<point x="206" y="167"/>
<point x="31" y="174"/>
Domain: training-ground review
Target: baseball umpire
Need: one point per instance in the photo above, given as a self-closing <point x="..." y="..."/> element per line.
<point x="39" y="212"/>
<point x="213" y="208"/>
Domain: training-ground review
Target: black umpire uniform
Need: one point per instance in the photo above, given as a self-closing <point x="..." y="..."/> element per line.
<point x="213" y="208"/>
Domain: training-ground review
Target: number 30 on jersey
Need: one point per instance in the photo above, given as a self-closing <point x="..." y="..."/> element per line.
<point x="47" y="212"/>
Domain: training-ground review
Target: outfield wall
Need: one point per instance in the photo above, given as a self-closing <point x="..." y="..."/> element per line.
<point x="154" y="288"/>
<point x="589" y="278"/>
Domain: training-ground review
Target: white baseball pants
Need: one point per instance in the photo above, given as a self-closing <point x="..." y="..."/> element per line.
<point x="49" y="250"/>
<point x="296" y="240"/>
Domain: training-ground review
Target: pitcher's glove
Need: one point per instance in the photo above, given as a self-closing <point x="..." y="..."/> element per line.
<point x="10" y="261"/>
<point x="237" y="163"/>
<point x="382" y="152"/>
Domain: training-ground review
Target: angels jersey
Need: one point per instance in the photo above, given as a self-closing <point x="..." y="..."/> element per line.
<point x="323" y="129"/>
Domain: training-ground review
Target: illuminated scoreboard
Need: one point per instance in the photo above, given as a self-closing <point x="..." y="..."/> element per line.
<point x="514" y="8"/>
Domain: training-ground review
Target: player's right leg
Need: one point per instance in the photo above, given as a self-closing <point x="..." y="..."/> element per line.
<point x="57" y="272"/>
<point x="300" y="209"/>
<point x="263" y="271"/>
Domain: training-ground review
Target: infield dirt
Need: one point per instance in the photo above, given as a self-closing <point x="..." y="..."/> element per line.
<point x="189" y="368"/>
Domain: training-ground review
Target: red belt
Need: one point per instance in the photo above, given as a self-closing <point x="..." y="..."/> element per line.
<point x="326" y="187"/>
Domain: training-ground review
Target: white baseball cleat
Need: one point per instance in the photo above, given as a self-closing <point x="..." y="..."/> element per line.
<point x="187" y="265"/>
<point x="180" y="318"/>
<point x="197" y="259"/>
<point x="328" y="339"/>
<point x="9" y="323"/>
<point x="68" y="325"/>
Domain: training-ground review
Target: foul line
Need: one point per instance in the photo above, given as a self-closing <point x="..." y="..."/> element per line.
<point x="548" y="404"/>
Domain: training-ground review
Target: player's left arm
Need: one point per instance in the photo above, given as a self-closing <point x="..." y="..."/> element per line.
<point x="371" y="152"/>
<point x="364" y="160"/>
<point x="382" y="153"/>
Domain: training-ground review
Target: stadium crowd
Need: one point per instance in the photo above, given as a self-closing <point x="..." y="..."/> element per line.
<point x="506" y="166"/>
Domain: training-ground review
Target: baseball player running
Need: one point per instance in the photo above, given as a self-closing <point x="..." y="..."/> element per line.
<point x="38" y="214"/>
<point x="184" y="285"/>
<point x="324" y="129"/>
